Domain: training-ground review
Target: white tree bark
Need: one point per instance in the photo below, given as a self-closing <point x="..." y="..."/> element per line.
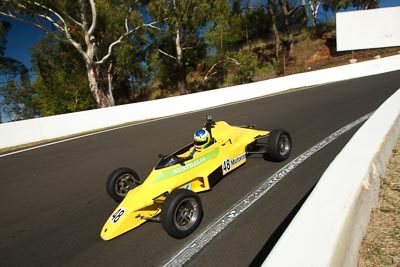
<point x="101" y="93"/>
<point x="314" y="6"/>
<point x="180" y="64"/>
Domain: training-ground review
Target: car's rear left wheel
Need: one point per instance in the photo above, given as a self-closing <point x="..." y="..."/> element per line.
<point x="181" y="213"/>
<point x="120" y="181"/>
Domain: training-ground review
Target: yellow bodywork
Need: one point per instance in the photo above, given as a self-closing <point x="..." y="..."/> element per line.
<point x="144" y="202"/>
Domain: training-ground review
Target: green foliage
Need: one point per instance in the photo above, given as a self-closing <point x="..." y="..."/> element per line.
<point x="163" y="67"/>
<point x="257" y="24"/>
<point x="336" y="5"/>
<point x="238" y="27"/>
<point x="18" y="99"/>
<point x="61" y="83"/>
<point x="188" y="14"/>
<point x="183" y="20"/>
<point x="16" y="96"/>
<point x="245" y="71"/>
<point x="226" y="36"/>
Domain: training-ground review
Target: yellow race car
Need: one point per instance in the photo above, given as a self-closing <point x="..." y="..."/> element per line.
<point x="168" y="194"/>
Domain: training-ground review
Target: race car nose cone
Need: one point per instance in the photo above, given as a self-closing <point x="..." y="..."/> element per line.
<point x="104" y="235"/>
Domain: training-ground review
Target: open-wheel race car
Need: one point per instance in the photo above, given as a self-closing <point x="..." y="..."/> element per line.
<point x="169" y="193"/>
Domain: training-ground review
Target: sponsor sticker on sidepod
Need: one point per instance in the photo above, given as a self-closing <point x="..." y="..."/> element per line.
<point x="229" y="164"/>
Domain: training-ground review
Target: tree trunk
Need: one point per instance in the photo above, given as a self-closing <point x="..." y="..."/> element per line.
<point x="102" y="96"/>
<point x="180" y="68"/>
<point x="314" y="6"/>
<point x="275" y="29"/>
<point x="110" y="78"/>
<point x="98" y="88"/>
<point x="286" y="15"/>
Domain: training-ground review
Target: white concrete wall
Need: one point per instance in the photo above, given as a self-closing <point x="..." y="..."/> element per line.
<point x="365" y="29"/>
<point x="328" y="229"/>
<point x="27" y="131"/>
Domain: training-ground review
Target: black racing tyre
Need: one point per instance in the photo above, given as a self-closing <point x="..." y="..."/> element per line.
<point x="181" y="213"/>
<point x="279" y="145"/>
<point x="120" y="181"/>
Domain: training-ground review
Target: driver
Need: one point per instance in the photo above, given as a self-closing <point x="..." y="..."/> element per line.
<point x="202" y="140"/>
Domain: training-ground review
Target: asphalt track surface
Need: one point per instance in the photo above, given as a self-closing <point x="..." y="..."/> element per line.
<point x="53" y="201"/>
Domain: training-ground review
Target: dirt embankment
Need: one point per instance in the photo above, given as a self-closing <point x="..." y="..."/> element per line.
<point x="381" y="245"/>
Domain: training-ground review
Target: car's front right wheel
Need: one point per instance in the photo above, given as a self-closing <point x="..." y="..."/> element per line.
<point x="181" y="213"/>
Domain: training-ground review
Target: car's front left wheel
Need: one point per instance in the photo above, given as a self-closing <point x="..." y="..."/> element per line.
<point x="181" y="213"/>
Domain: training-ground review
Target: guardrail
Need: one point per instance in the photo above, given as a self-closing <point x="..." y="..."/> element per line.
<point x="329" y="227"/>
<point x="46" y="128"/>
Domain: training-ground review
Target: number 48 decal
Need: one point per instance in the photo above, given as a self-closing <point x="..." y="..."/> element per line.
<point x="226" y="166"/>
<point x="229" y="164"/>
<point x="117" y="215"/>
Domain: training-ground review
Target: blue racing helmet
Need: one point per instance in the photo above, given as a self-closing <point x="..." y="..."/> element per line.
<point x="201" y="139"/>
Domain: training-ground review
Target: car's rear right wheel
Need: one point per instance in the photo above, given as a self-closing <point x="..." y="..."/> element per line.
<point x="279" y="145"/>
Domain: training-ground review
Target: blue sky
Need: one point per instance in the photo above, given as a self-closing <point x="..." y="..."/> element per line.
<point x="19" y="40"/>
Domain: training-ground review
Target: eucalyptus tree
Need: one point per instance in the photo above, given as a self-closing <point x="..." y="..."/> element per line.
<point x="93" y="28"/>
<point x="181" y="21"/>
<point x="233" y="35"/>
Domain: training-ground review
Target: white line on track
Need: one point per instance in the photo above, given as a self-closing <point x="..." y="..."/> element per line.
<point x="77" y="137"/>
<point x="194" y="246"/>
